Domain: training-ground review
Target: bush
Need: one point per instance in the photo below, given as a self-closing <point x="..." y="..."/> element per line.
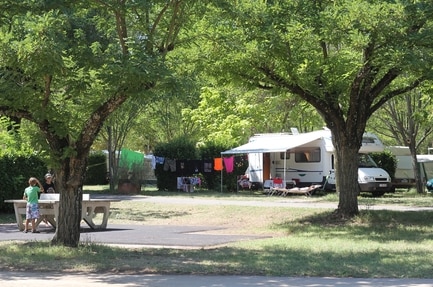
<point x="183" y="149"/>
<point x="14" y="174"/>
<point x="387" y="161"/>
<point x="180" y="148"/>
<point x="96" y="172"/>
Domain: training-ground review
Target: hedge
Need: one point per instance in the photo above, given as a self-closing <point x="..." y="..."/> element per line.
<point x="14" y="174"/>
<point x="96" y="173"/>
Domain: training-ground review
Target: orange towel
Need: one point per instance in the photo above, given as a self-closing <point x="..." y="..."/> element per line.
<point x="218" y="163"/>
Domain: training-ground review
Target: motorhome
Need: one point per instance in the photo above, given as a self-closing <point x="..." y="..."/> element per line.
<point x="308" y="158"/>
<point x="404" y="174"/>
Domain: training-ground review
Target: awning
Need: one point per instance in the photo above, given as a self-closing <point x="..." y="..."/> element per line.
<point x="275" y="144"/>
<point x="424" y="157"/>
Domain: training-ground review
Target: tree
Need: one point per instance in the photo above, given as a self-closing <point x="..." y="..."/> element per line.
<point x="67" y="65"/>
<point x="115" y="131"/>
<point x="233" y="114"/>
<point x="345" y="58"/>
<point x="13" y="142"/>
<point x="407" y="121"/>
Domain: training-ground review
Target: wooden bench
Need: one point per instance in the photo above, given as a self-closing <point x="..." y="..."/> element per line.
<point x="49" y="209"/>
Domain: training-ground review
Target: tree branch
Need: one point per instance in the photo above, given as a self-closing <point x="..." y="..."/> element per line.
<point x="390" y="76"/>
<point x="48" y="79"/>
<point x="396" y="92"/>
<point x="21" y="114"/>
<point x="328" y="107"/>
<point x="95" y="122"/>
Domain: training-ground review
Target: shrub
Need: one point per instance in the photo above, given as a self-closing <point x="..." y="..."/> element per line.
<point x="96" y="172"/>
<point x="183" y="149"/>
<point x="14" y="174"/>
<point x="387" y="161"/>
<point x="180" y="148"/>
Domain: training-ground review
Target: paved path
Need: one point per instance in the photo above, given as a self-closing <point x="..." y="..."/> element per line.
<point x="9" y="279"/>
<point x="168" y="236"/>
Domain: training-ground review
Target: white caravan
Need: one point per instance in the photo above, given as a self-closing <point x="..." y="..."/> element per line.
<point x="308" y="158"/>
<point x="404" y="176"/>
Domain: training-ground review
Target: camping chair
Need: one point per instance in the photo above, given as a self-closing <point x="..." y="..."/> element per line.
<point x="277" y="184"/>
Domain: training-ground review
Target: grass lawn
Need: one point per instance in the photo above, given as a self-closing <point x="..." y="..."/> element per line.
<point x="302" y="241"/>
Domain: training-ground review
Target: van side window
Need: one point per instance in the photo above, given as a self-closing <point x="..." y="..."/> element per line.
<point x="312" y="155"/>
<point x="287" y="155"/>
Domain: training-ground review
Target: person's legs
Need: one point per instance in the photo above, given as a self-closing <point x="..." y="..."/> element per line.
<point x="34" y="225"/>
<point x="28" y="217"/>
<point x="27" y="225"/>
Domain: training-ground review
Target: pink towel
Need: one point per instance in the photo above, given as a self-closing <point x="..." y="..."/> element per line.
<point x="228" y="163"/>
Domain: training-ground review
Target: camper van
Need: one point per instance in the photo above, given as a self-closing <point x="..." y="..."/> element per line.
<point x="404" y="174"/>
<point x="304" y="159"/>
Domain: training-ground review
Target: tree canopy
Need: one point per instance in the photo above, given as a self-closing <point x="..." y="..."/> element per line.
<point x="345" y="58"/>
<point x="66" y="66"/>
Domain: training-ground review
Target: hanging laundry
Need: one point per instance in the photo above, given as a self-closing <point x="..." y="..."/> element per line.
<point x="228" y="163"/>
<point x="159" y="160"/>
<point x="153" y="163"/>
<point x="218" y="163"/>
<point x="170" y="164"/>
<point x="207" y="166"/>
<point x="196" y="166"/>
<point x="130" y="159"/>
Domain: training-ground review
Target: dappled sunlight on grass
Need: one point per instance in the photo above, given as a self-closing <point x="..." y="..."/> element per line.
<point x="289" y="256"/>
<point x="299" y="241"/>
<point x="379" y="226"/>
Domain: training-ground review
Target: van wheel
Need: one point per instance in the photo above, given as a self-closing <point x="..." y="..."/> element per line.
<point x="378" y="193"/>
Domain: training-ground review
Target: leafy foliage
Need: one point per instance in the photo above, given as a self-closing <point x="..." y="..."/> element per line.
<point x="344" y="58"/>
<point x="180" y="148"/>
<point x="13" y="140"/>
<point x="387" y="161"/>
<point x="96" y="172"/>
<point x="14" y="174"/>
<point x="66" y="66"/>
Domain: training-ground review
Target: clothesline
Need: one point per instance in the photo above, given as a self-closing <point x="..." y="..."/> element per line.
<point x="217" y="164"/>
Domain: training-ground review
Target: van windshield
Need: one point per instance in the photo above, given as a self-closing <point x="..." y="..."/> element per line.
<point x="364" y="160"/>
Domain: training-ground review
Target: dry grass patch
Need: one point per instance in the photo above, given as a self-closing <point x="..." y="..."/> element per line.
<point x="243" y="220"/>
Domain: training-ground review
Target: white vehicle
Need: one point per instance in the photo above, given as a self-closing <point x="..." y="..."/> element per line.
<point x="404" y="174"/>
<point x="308" y="158"/>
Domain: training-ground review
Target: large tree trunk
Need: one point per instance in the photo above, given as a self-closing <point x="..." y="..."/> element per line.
<point x="419" y="184"/>
<point x="69" y="182"/>
<point x="346" y="175"/>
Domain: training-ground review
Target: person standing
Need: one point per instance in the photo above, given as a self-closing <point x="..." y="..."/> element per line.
<point x="48" y="184"/>
<point x="31" y="194"/>
<point x="48" y="187"/>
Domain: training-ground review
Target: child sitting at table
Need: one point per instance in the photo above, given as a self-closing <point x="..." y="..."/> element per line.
<point x="31" y="194"/>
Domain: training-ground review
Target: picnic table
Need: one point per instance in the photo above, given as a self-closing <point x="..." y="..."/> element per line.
<point x="49" y="209"/>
